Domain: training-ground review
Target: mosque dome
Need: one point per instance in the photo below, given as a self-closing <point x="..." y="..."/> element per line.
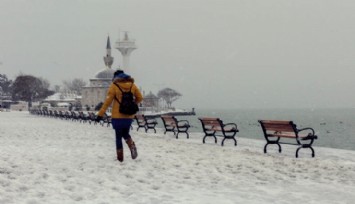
<point x="106" y="73"/>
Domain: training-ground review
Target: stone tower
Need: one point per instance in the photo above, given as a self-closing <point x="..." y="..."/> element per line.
<point x="125" y="46"/>
<point x="108" y="59"/>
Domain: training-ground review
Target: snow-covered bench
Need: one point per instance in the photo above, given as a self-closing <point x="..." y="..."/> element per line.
<point x="171" y="124"/>
<point x="213" y="127"/>
<point x="106" y="119"/>
<point x="274" y="130"/>
<point x="145" y="122"/>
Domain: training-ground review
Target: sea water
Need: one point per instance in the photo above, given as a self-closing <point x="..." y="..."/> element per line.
<point x="335" y="128"/>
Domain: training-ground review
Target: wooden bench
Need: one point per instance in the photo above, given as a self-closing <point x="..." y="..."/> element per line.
<point x="106" y="119"/>
<point x="171" y="124"/>
<point x="82" y="117"/>
<point x="91" y="118"/>
<point x="145" y="122"/>
<point x="67" y="115"/>
<point x="61" y="114"/>
<point x="74" y="116"/>
<point x="213" y="127"/>
<point x="274" y="130"/>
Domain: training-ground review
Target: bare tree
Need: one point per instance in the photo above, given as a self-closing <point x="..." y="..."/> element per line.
<point x="56" y="88"/>
<point x="5" y="84"/>
<point x="169" y="95"/>
<point x="45" y="83"/>
<point x="75" y="85"/>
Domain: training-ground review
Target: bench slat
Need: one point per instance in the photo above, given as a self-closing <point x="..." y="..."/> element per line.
<point x="278" y="125"/>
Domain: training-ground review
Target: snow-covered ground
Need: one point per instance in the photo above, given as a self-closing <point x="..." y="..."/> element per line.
<point x="47" y="160"/>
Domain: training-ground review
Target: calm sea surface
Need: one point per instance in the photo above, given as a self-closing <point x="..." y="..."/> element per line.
<point x="335" y="127"/>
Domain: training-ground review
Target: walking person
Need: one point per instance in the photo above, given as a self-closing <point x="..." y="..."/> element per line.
<point x="121" y="83"/>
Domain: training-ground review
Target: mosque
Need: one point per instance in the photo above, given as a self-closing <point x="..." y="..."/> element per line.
<point x="95" y="91"/>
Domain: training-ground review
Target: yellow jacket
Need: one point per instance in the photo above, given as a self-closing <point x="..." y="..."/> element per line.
<point x="113" y="91"/>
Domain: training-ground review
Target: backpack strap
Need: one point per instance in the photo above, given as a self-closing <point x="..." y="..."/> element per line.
<point x="121" y="91"/>
<point x="130" y="88"/>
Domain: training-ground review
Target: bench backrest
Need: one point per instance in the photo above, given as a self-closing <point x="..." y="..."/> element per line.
<point x="73" y="114"/>
<point x="92" y="116"/>
<point x="209" y="123"/>
<point x="107" y="118"/>
<point x="272" y="126"/>
<point x="140" y="119"/>
<point x="168" y="120"/>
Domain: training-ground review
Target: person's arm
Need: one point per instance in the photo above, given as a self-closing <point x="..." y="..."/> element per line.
<point x="109" y="98"/>
<point x="137" y="94"/>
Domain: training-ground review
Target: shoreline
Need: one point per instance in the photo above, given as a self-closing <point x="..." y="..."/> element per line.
<point x="43" y="159"/>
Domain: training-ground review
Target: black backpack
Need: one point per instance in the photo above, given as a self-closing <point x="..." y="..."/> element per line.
<point x="127" y="104"/>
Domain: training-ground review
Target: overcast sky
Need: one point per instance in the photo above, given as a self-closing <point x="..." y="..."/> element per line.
<point x="216" y="53"/>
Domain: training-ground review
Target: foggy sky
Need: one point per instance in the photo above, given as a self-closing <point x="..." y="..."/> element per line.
<point x="216" y="53"/>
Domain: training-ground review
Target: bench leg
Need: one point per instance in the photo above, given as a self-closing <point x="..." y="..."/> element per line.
<point x="215" y="139"/>
<point x="265" y="147"/>
<point x="187" y="134"/>
<point x="299" y="148"/>
<point x="313" y="154"/>
<point x="235" y="141"/>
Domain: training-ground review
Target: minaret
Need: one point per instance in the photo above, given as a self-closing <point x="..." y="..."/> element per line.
<point x="108" y="59"/>
<point x="125" y="46"/>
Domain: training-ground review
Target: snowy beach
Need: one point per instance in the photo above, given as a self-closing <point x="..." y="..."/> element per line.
<point x="47" y="160"/>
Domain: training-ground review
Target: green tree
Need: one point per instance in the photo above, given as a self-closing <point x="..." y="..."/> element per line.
<point x="169" y="95"/>
<point x="29" y="88"/>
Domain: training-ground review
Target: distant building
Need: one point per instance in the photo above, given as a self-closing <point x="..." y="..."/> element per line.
<point x="62" y="99"/>
<point x="5" y="100"/>
<point x="95" y="92"/>
<point x="150" y="100"/>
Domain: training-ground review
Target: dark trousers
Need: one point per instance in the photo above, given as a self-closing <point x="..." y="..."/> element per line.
<point x="122" y="128"/>
<point x="121" y="133"/>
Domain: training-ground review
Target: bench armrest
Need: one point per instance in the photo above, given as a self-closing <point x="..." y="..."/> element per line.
<point x="151" y="120"/>
<point x="311" y="134"/>
<point x="183" y="123"/>
<point x="309" y="129"/>
<point x="230" y="127"/>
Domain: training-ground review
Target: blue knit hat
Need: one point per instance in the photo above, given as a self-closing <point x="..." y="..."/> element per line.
<point x="123" y="76"/>
<point x="119" y="74"/>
